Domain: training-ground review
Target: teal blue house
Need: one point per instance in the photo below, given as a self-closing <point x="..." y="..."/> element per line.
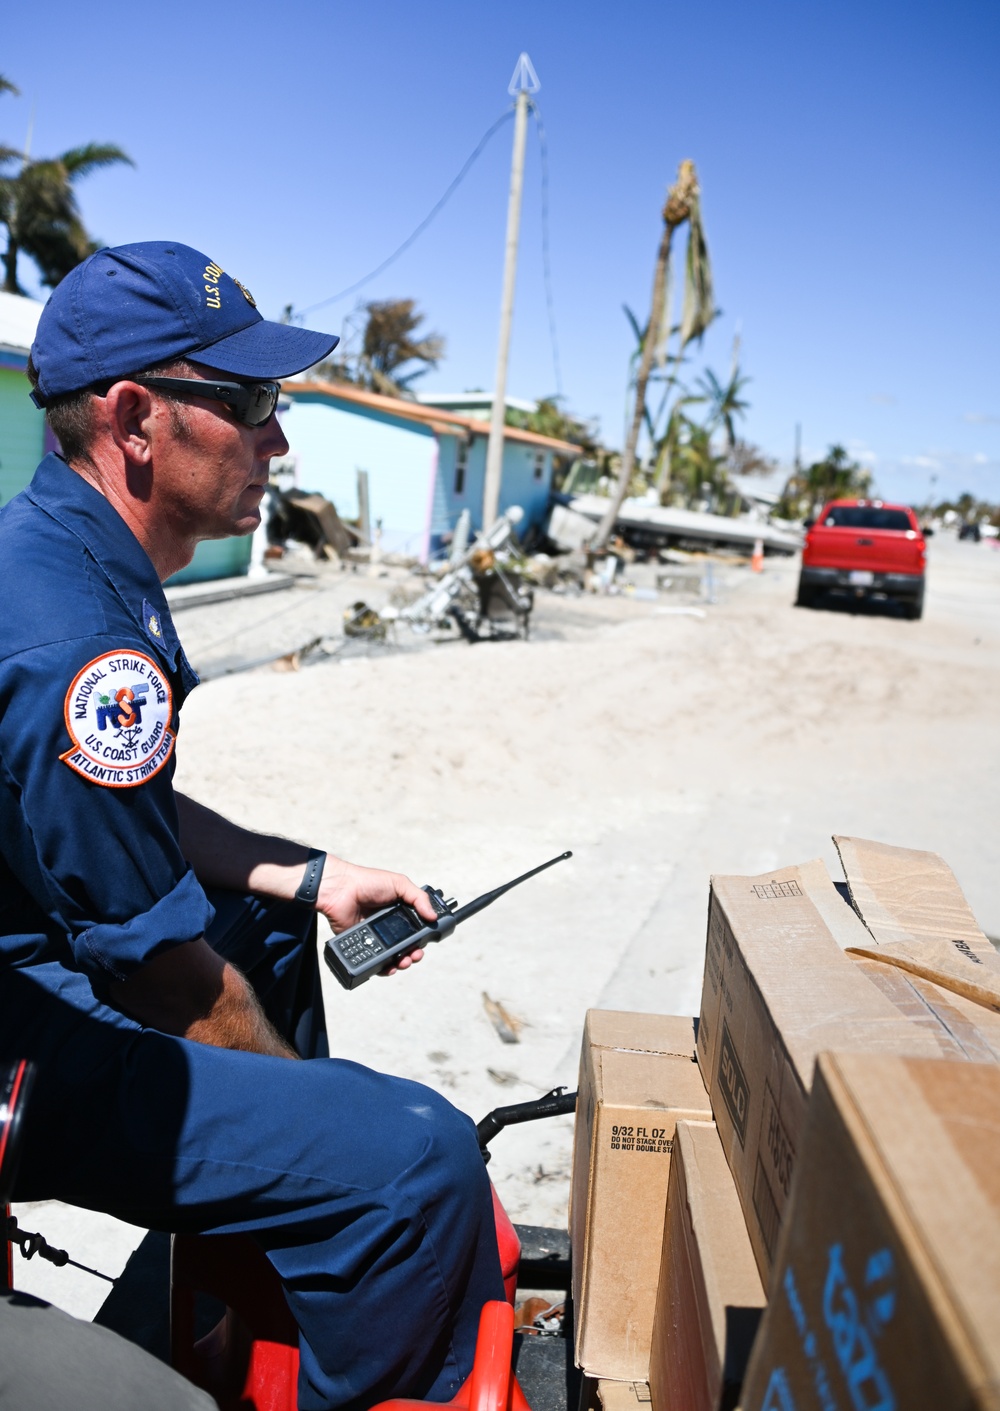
<point x="22" y="426"/>
<point x="425" y="464"/>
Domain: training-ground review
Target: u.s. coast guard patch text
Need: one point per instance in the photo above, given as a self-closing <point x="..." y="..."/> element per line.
<point x="118" y="711"/>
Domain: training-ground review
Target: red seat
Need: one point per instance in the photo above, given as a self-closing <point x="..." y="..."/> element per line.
<point x="509" y="1246"/>
<point x="491" y="1386"/>
<point x="250" y="1360"/>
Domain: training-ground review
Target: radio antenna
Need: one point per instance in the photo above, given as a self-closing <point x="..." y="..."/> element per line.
<point x="472" y="907"/>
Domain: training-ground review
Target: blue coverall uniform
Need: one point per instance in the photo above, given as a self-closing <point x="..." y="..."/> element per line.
<point x="367" y="1192"/>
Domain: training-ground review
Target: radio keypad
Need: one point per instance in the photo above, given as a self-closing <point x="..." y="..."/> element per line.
<point x="360" y="945"/>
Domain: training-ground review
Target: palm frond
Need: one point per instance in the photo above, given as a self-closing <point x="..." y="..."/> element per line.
<point x="7" y="87"/>
<point x="38" y="206"/>
<point x="649" y="423"/>
<point x="81" y="161"/>
<point x="640" y="334"/>
<point x="698" y="309"/>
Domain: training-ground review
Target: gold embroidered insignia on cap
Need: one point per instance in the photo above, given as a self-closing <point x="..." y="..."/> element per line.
<point x="118" y="711"/>
<point x="246" y="293"/>
<point x="211" y="277"/>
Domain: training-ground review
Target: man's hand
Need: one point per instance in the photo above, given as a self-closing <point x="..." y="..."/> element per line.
<point x="347" y="894"/>
<point x="225" y="855"/>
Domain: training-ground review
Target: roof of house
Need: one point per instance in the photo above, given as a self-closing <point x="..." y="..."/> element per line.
<point x="457" y="401"/>
<point x="18" y="320"/>
<point x="442" y="422"/>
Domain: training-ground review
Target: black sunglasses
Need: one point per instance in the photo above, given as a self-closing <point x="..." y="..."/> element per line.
<point x="252" y="403"/>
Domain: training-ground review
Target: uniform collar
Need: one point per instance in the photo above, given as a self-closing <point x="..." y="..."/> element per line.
<point x="64" y="495"/>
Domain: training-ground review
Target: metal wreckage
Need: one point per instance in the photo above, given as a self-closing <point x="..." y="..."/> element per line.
<point x="481" y="594"/>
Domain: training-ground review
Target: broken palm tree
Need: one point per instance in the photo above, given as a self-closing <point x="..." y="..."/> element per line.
<point x="683" y="207"/>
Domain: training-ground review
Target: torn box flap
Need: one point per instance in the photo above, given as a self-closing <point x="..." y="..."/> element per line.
<point x="917" y="918"/>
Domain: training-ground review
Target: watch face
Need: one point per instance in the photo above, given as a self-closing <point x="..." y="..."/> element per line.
<point x="394" y="927"/>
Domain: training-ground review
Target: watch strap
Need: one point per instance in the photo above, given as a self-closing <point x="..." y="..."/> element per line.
<point x="309" y="886"/>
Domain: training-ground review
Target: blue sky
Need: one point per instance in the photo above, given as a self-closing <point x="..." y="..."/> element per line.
<point x="847" y="154"/>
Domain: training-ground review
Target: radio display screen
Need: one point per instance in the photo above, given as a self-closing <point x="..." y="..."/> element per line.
<point x="394" y="927"/>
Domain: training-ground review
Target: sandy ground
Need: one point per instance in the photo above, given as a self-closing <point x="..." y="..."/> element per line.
<point x="659" y="746"/>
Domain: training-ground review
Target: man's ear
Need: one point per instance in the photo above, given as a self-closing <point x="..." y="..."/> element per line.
<point x="129" y="408"/>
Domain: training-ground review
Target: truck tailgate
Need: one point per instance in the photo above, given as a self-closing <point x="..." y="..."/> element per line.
<point x="878" y="550"/>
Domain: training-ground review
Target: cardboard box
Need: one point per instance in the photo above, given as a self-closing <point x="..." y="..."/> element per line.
<point x="882" y="881"/>
<point x="622" y="1396"/>
<point x="638" y="1078"/>
<point x="710" y="1298"/>
<point x="918" y="919"/>
<point x="887" y="1292"/>
<point x="779" y="990"/>
<point x="963" y="1028"/>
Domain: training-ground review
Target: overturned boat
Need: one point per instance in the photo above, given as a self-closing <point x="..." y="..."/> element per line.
<point x="646" y="525"/>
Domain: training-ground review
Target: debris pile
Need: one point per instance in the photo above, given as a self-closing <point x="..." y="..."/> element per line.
<point x="481" y="593"/>
<point x="363" y="621"/>
<point x="309" y="519"/>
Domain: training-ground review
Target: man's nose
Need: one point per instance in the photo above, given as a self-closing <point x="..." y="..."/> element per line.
<point x="272" y="441"/>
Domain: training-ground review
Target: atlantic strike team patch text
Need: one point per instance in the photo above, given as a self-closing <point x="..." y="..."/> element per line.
<point x="118" y="712"/>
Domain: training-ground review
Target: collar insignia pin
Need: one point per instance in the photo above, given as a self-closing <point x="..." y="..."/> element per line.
<point x="154" y="626"/>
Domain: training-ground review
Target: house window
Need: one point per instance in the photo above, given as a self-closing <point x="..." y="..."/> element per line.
<point x="539" y="465"/>
<point x="461" y="462"/>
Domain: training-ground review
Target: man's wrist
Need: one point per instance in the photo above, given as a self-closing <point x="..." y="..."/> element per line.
<point x="308" y="891"/>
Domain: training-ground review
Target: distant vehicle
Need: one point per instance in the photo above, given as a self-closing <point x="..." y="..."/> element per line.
<point x="866" y="549"/>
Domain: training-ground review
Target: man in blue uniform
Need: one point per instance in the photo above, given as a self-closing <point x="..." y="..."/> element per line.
<point x="156" y="961"/>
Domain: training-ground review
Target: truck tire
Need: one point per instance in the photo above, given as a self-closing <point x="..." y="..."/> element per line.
<point x="915" y="607"/>
<point x="806" y="596"/>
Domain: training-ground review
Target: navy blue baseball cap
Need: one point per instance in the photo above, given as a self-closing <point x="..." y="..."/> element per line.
<point x="131" y="307"/>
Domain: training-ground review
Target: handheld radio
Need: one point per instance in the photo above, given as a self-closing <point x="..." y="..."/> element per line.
<point x="363" y="950"/>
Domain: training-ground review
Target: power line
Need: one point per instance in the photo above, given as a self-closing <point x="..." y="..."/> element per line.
<point x="546" y="257"/>
<point x="358" y="284"/>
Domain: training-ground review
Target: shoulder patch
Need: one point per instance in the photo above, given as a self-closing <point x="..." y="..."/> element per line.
<point x="118" y="711"/>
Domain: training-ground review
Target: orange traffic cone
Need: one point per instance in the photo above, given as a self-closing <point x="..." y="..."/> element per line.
<point x="757" y="561"/>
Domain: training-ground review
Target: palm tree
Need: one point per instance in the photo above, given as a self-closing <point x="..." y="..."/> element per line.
<point x="549" y="419"/>
<point x="374" y="355"/>
<point x="8" y="154"/>
<point x="835" y="477"/>
<point x="683" y="206"/>
<point x="725" y="403"/>
<point x="697" y="470"/>
<point x="389" y="344"/>
<point x="38" y="206"/>
<point x="666" y="446"/>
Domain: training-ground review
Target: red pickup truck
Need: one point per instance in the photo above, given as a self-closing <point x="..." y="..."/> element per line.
<point x="865" y="548"/>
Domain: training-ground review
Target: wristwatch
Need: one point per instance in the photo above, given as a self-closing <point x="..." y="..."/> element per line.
<point x="309" y="886"/>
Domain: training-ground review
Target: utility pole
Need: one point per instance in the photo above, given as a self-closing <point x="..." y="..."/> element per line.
<point x="522" y="85"/>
